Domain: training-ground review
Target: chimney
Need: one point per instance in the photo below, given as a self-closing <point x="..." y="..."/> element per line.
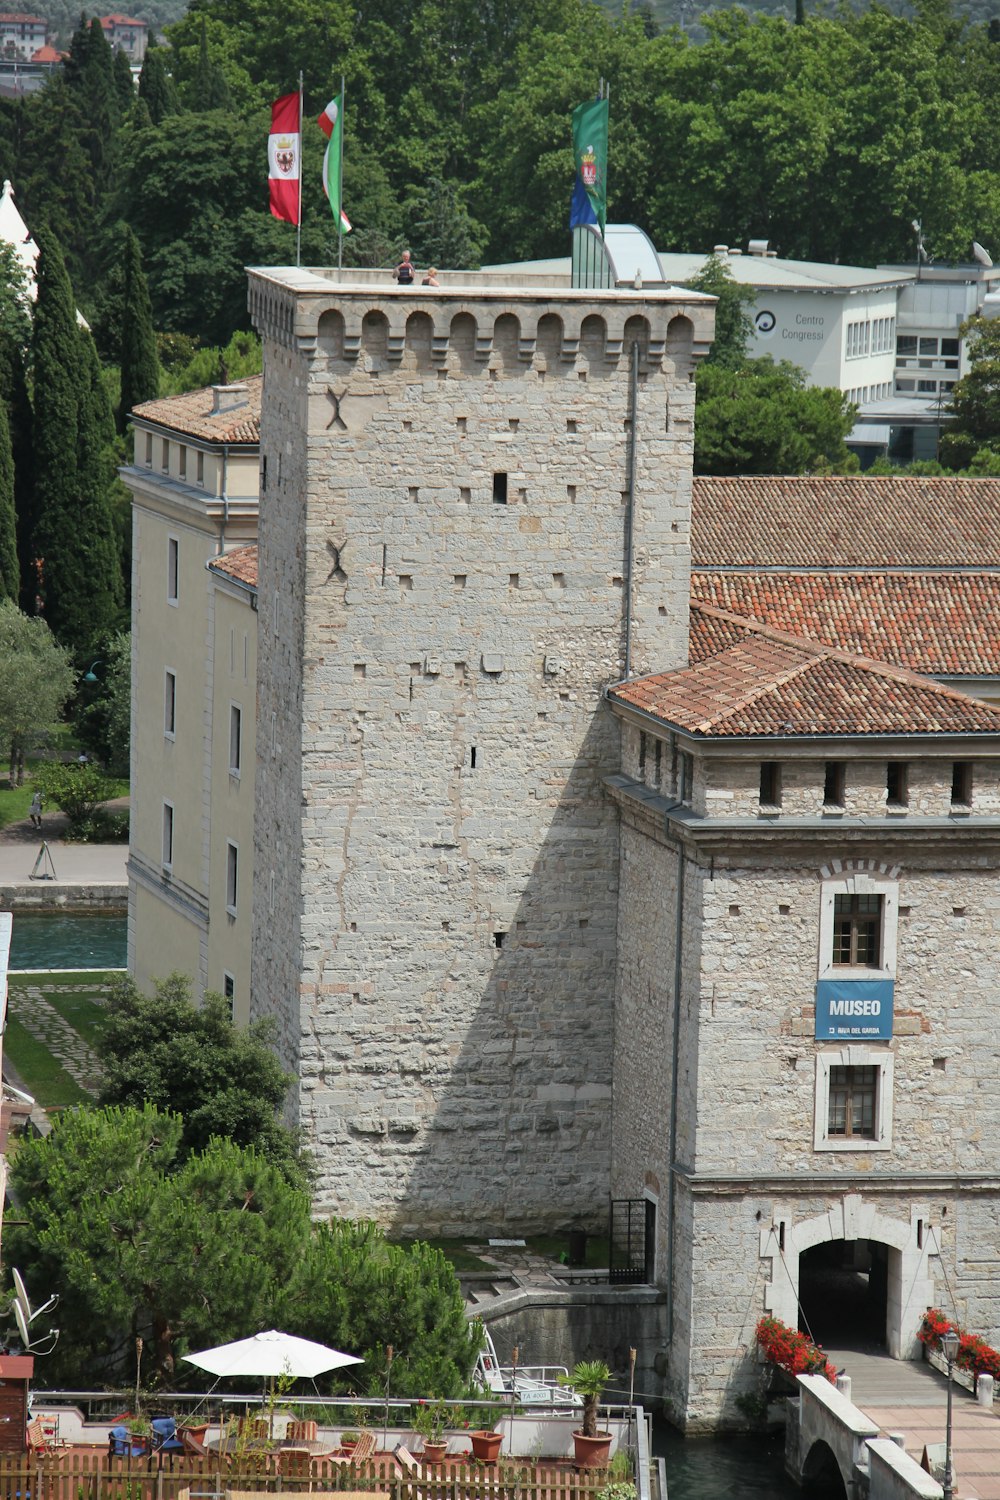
<point x="228" y="398"/>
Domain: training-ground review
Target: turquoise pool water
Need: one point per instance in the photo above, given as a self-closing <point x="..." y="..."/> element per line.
<point x="58" y="940"/>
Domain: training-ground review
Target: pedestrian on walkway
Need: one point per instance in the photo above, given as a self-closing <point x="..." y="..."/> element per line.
<point x="35" y="810"/>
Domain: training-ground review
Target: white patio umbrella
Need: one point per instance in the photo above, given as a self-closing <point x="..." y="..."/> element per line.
<point x="271" y="1354"/>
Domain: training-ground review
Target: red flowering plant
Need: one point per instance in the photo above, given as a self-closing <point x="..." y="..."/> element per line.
<point x="792" y="1351"/>
<point x="974" y="1354"/>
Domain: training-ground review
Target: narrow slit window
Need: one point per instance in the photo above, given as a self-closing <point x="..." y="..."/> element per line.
<point x="232" y="876"/>
<point x="961" y="783"/>
<point x="499" y="489"/>
<point x="897" y="789"/>
<point x="834" y="783"/>
<point x="173" y="567"/>
<point x="235" y="738"/>
<point x="770" y="783"/>
<point x="168" y="835"/>
<point x="170" y="703"/>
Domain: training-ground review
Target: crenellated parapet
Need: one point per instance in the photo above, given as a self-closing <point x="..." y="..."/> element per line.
<point x="472" y="328"/>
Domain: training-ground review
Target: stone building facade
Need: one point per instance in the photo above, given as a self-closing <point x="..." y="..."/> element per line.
<point x="448" y="583"/>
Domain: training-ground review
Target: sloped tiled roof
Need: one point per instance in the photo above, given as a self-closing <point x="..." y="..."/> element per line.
<point x="753" y="680"/>
<point x="845" y="522"/>
<point x="947" y="624"/>
<point x="192" y="414"/>
<point x="240" y="564"/>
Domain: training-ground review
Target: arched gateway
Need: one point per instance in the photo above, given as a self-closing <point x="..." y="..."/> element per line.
<point x="910" y="1245"/>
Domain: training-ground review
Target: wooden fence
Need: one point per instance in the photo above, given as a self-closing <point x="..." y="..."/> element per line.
<point x="79" y="1475"/>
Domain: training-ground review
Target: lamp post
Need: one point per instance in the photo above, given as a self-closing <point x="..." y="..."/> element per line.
<point x="949" y="1347"/>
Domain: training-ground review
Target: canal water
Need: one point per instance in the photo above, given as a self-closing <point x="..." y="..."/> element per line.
<point x="67" y="940"/>
<point x="729" y="1468"/>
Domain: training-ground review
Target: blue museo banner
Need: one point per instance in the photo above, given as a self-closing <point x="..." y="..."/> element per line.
<point x="854" y="1010"/>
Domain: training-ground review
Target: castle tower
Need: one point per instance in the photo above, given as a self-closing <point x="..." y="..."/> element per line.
<point x="475" y="502"/>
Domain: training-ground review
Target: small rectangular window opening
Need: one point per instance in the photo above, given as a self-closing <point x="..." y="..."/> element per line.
<point x="658" y="765"/>
<point x="498" y="938"/>
<point x="168" y="835"/>
<point x="200" y="468"/>
<point x="263" y="472"/>
<point x="687" y="777"/>
<point x="229" y="991"/>
<point x="472" y="757"/>
<point x="232" y="872"/>
<point x="770" y="783"/>
<point x="897" y="790"/>
<point x="834" y="781"/>
<point x="961" y="783"/>
<point x="235" y="738"/>
<point x="499" y="489"/>
<point x="857" y="931"/>
<point x="169" y="703"/>
<point x="642" y="752"/>
<point x="852" y="1102"/>
<point x="173" y="565"/>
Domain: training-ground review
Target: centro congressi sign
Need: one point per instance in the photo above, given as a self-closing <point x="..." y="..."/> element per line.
<point x="854" y="1010"/>
<point x="808" y="327"/>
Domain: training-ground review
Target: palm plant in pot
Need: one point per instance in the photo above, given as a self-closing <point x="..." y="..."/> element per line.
<point x="588" y="1380"/>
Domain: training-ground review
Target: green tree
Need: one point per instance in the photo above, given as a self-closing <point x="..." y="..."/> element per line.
<point x="102" y="714"/>
<point x="80" y="791"/>
<point x="36" y="678"/>
<point x="222" y="1079"/>
<point x="156" y="87"/>
<point x="733" y="324"/>
<point x="975" y="400"/>
<point x="124" y="87"/>
<point x="140" y="368"/>
<point x="762" y="418"/>
<point x="142" y="1243"/>
<point x="73" y="469"/>
<point x="10" y="573"/>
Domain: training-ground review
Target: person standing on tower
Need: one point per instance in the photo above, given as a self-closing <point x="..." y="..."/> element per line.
<point x="404" y="271"/>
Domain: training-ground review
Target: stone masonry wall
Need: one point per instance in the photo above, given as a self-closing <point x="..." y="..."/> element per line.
<point x="458" y="871"/>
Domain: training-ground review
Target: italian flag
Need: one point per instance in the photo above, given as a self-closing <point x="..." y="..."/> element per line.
<point x="284" y="157"/>
<point x="331" y="122"/>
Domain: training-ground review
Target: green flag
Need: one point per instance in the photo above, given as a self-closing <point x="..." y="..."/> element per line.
<point x="590" y="153"/>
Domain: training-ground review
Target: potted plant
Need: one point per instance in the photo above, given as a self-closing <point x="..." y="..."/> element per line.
<point x="349" y="1440"/>
<point x="588" y="1380"/>
<point x="430" y="1419"/>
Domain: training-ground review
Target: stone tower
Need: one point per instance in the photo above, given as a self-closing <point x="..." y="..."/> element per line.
<point x="462" y="532"/>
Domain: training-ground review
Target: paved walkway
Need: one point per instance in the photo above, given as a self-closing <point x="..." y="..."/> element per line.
<point x="75" y="864"/>
<point x="29" y="1004"/>
<point x="910" y="1397"/>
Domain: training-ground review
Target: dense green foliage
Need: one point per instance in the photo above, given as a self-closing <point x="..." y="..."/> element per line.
<point x="140" y="368"/>
<point x="190" y="1249"/>
<point x="103" y="709"/>
<point x="36" y="680"/>
<point x="222" y="1079"/>
<point x="973" y="438"/>
<point x="762" y="418"/>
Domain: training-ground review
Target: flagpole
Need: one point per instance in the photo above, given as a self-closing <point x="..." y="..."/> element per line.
<point x="298" y="226"/>
<point x="340" y="205"/>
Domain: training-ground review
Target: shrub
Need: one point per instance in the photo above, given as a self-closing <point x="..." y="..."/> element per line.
<point x="79" y="791"/>
<point x="792" y="1351"/>
<point x="974" y="1354"/>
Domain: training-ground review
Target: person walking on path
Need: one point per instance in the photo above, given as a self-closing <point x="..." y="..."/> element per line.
<point x="35" y="810"/>
<point x="404" y="271"/>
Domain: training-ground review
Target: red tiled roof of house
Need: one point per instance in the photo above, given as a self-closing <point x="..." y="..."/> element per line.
<point x="120" y="21"/>
<point x="946" y="624"/>
<point x="192" y="414"/>
<point x="240" y="564"/>
<point x="845" y="522"/>
<point x="47" y="54"/>
<point x="757" y="681"/>
<point x="8" y="16"/>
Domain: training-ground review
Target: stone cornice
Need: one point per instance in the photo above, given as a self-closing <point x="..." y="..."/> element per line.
<point x="783" y="1184"/>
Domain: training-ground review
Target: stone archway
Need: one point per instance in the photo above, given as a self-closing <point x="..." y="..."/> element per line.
<point x="821" y="1473"/>
<point x="911" y="1243"/>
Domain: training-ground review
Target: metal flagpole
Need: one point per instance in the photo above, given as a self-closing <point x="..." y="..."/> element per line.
<point x="298" y="227"/>
<point x="340" y="205"/>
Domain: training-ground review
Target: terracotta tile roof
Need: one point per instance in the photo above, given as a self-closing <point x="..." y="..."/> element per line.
<point x="947" y="624"/>
<point x="192" y="414"/>
<point x="240" y="564"/>
<point x="760" y="681"/>
<point x="47" y="54"/>
<point x="845" y="522"/>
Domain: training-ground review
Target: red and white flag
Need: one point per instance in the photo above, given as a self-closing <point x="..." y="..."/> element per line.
<point x="284" y="157"/>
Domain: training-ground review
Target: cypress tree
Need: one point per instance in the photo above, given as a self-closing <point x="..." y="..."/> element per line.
<point x="16" y="403"/>
<point x="74" y="526"/>
<point x="10" y="578"/>
<point x="156" y="87"/>
<point x="210" y="87"/>
<point x="140" y="368"/>
<point x="124" y="87"/>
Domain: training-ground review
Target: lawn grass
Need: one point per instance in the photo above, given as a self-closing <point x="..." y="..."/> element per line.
<point x="80" y="1005"/>
<point x="454" y="1250"/>
<point x="556" y="1247"/>
<point x="38" y="1070"/>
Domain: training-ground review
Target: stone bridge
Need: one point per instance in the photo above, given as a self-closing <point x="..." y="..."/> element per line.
<point x="829" y="1439"/>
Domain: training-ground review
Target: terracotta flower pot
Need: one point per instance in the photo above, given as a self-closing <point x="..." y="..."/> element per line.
<point x="433" y="1453"/>
<point x="486" y="1445"/>
<point x="592" y="1452"/>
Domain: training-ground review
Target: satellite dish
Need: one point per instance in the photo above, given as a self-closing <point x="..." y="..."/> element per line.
<point x="983" y="256"/>
<point x="21" y="1295"/>
<point x="22" y="1324"/>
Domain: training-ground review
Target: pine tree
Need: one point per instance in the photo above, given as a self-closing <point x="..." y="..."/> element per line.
<point x="156" y="87"/>
<point x="10" y="578"/>
<point x="74" y="527"/>
<point x="140" y="368"/>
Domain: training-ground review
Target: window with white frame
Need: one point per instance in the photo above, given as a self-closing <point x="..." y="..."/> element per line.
<point x="232" y="877"/>
<point x="858" y="339"/>
<point x="858" y="923"/>
<point x="169" y="703"/>
<point x="173" y="569"/>
<point x="235" y="738"/>
<point x="853" y="1099"/>
<point x="168" y="835"/>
